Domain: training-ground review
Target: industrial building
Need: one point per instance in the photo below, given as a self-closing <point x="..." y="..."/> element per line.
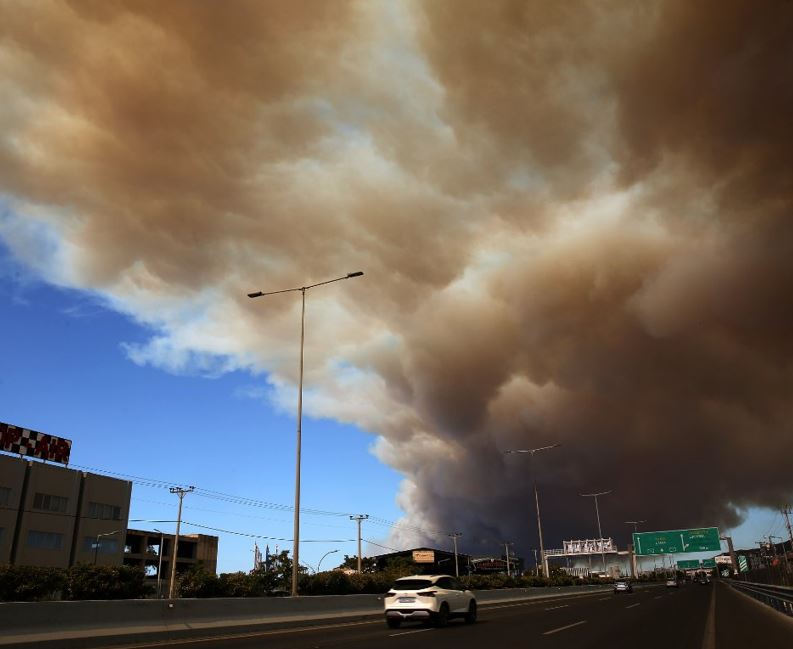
<point x="153" y="551"/>
<point x="53" y="516"/>
<point x="57" y="517"/>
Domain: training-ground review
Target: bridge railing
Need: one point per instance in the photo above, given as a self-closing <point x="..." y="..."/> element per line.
<point x="778" y="597"/>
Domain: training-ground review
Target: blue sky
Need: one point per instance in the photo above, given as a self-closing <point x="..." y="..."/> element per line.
<point x="67" y="374"/>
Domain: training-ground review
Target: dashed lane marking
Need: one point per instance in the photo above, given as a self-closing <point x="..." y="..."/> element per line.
<point x="562" y="628"/>
<point x="553" y="608"/>
<point x="393" y="635"/>
<point x="634" y="605"/>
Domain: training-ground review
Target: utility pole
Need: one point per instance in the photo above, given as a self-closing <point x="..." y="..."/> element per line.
<point x="454" y="536"/>
<point x="179" y="491"/>
<point x="536" y="565"/>
<point x="506" y="550"/>
<point x="358" y="519"/>
<point x="786" y="511"/>
<point x="784" y="554"/>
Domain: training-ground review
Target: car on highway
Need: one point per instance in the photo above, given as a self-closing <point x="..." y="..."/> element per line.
<point x="428" y="598"/>
<point x="622" y="586"/>
<point x="672" y="583"/>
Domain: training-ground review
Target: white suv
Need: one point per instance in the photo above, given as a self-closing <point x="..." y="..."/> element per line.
<point x="428" y="598"/>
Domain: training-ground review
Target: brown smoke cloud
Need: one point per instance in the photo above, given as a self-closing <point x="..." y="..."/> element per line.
<point x="574" y="220"/>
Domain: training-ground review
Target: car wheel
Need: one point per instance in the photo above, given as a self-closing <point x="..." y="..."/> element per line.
<point x="393" y="622"/>
<point x="470" y="616"/>
<point x="442" y="616"/>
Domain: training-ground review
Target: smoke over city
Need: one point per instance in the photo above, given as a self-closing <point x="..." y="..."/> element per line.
<point x="574" y="219"/>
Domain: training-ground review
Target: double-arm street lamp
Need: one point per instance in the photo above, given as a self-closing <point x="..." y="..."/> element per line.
<point x="600" y="532"/>
<point x="302" y="289"/>
<point x="531" y="452"/>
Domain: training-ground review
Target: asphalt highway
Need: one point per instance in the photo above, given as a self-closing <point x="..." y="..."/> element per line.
<point x="691" y="617"/>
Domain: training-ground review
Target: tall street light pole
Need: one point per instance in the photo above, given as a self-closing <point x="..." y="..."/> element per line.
<point x="302" y="289"/>
<point x="600" y="532"/>
<point x="531" y="452"/>
<point x="325" y="555"/>
<point x="454" y="536"/>
<point x="634" y="561"/>
<point x="159" y="564"/>
<point x="98" y="541"/>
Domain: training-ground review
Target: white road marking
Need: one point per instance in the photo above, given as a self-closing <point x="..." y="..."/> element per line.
<point x="709" y="639"/>
<point x="633" y="605"/>
<point x="658" y="597"/>
<point x="562" y="628"/>
<point x="393" y="635"/>
<point x="553" y="608"/>
<point x="603" y="599"/>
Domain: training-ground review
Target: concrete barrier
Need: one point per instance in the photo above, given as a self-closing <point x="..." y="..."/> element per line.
<point x="96" y="623"/>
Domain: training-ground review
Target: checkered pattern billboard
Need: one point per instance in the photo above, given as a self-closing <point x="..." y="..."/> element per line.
<point x="23" y="441"/>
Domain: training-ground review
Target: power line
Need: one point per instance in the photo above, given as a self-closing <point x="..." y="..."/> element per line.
<point x="261" y="504"/>
<point x="262" y="536"/>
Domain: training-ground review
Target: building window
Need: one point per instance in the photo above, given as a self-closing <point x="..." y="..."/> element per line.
<point x="104" y="546"/>
<point x="104" y="512"/>
<point x="49" y="503"/>
<point x="45" y="540"/>
<point x="5" y="496"/>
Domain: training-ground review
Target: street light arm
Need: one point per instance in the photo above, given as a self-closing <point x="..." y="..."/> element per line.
<point x="304" y="288"/>
<point x="531" y="450"/>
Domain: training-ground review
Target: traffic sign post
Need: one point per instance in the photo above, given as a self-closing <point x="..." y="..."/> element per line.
<point x="703" y="539"/>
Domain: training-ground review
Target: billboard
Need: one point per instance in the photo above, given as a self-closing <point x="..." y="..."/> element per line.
<point x="31" y="443"/>
<point x="589" y="546"/>
<point x="423" y="556"/>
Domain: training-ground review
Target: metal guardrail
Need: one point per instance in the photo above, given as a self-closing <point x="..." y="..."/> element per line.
<point x="777" y="597"/>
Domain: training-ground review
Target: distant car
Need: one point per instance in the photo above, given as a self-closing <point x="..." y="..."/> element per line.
<point x="672" y="583"/>
<point x="428" y="598"/>
<point x="623" y="586"/>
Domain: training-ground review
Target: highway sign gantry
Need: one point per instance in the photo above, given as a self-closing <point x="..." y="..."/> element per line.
<point x="704" y="539"/>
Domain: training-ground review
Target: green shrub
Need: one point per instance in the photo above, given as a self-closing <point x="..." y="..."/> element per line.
<point x="197" y="582"/>
<point x="30" y="583"/>
<point x="85" y="581"/>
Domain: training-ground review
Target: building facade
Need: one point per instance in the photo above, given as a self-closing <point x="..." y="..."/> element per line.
<point x="152" y="550"/>
<point x="57" y="517"/>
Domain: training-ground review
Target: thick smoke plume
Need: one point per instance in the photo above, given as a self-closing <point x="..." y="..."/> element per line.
<point x="574" y="219"/>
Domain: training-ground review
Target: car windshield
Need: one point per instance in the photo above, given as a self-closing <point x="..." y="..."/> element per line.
<point x="411" y="584"/>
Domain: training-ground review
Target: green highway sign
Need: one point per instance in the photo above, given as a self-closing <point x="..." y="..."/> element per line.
<point x="688" y="564"/>
<point x="704" y="539"/>
<point x="709" y="563"/>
